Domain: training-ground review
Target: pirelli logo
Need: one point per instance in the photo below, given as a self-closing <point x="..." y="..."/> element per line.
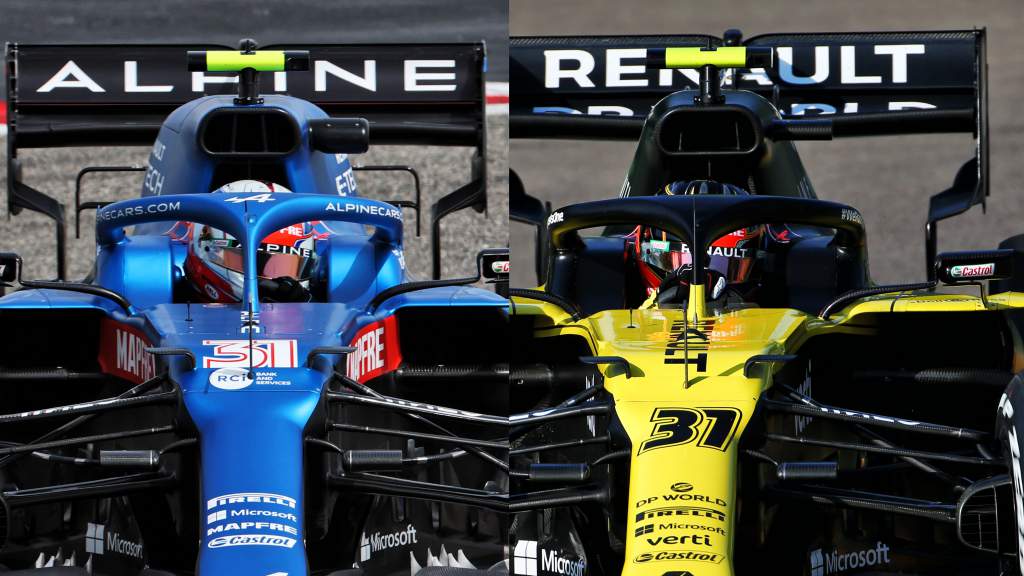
<point x="656" y="513"/>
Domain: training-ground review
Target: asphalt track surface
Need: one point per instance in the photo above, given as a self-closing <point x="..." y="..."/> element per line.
<point x="888" y="179"/>
<point x="441" y="169"/>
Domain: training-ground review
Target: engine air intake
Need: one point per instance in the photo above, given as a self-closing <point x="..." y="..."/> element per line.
<point x="249" y="132"/>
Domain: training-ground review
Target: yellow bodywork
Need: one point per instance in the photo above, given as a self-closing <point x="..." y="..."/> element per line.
<point x="688" y="402"/>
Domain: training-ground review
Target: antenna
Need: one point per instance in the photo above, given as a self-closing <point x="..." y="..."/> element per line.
<point x="686" y="347"/>
<point x="251" y="375"/>
<point x="248" y="78"/>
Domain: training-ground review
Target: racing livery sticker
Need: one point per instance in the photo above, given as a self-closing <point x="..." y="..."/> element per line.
<point x="376" y="350"/>
<point x="123" y="352"/>
<point x="156" y="207"/>
<point x="265" y="354"/>
<point x="530" y="559"/>
<point x="709" y="427"/>
<point x="835" y="561"/>
<point x="973" y="270"/>
<point x="357" y="208"/>
<point x="678" y="556"/>
<point x="251" y="519"/>
<point x="99" y="540"/>
<point x="378" y="542"/>
<point x="688" y="343"/>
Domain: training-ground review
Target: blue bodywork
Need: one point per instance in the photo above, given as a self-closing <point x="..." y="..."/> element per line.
<point x="251" y="431"/>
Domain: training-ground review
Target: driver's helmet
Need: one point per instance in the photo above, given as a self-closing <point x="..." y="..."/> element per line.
<point x="215" y="264"/>
<point x="730" y="261"/>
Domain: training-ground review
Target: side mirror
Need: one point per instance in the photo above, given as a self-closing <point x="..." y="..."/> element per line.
<point x="10" y="267"/>
<point x="340" y="135"/>
<point x="957" y="268"/>
<point x="10" y="270"/>
<point x="966" y="191"/>
<point x="493" y="265"/>
<point x="472" y="195"/>
<point x="529" y="210"/>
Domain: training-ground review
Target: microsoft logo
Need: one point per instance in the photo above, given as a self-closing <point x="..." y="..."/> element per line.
<point x="817" y="563"/>
<point x="94" y="538"/>
<point x="525" y="558"/>
<point x="364" y="549"/>
<point x="216" y="516"/>
<point x="646" y="529"/>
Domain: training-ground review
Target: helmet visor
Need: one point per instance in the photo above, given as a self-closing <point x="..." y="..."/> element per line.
<point x="272" y="260"/>
<point x="731" y="256"/>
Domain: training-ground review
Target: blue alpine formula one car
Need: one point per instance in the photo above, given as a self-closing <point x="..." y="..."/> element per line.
<point x="248" y="383"/>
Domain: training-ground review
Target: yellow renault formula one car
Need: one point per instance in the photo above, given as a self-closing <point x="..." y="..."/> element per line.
<point x="707" y="381"/>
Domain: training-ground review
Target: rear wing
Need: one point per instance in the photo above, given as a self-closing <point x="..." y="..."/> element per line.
<point x="99" y="95"/>
<point x="120" y="94"/>
<point x="824" y="85"/>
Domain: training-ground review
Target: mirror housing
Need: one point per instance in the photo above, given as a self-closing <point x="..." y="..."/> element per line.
<point x="340" y="135"/>
<point x="966" y="191"/>
<point x="971" y="267"/>
<point x="10" y="268"/>
<point x="530" y="210"/>
<point x="493" y="265"/>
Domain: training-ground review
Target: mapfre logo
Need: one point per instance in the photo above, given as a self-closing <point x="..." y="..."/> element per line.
<point x="376" y="350"/>
<point x="123" y="352"/>
<point x="973" y="270"/>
